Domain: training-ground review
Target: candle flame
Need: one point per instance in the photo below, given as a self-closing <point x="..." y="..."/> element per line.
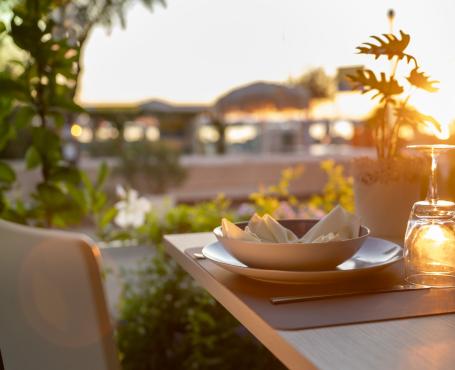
<point x="435" y="233"/>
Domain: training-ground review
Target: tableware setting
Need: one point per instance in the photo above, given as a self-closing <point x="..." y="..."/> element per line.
<point x="296" y="245"/>
<point x="376" y="254"/>
<point x="333" y="249"/>
<point x="320" y="269"/>
<point x="430" y="235"/>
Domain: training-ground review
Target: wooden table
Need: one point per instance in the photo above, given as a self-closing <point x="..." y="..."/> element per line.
<point x="418" y="343"/>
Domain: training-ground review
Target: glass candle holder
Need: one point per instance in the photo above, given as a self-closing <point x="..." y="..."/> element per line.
<point x="429" y="255"/>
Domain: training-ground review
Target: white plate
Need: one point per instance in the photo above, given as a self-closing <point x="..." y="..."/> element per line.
<point x="375" y="254"/>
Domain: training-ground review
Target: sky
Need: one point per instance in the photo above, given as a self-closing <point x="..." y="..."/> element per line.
<point x="193" y="51"/>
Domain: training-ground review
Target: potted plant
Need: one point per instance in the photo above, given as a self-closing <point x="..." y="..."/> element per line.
<point x="386" y="187"/>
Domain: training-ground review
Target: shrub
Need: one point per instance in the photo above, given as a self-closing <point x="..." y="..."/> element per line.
<point x="168" y="322"/>
<point x="155" y="165"/>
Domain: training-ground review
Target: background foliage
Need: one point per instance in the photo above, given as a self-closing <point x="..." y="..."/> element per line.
<point x="38" y="83"/>
<point x="318" y="83"/>
<point x="155" y="163"/>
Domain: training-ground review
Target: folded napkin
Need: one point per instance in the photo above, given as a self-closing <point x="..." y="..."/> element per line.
<point x="232" y="231"/>
<point x="336" y="225"/>
<point x="267" y="229"/>
<point x="260" y="229"/>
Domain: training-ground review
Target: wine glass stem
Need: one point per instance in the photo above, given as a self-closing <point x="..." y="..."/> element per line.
<point x="432" y="195"/>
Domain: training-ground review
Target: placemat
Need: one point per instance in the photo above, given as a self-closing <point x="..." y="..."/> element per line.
<point x="331" y="311"/>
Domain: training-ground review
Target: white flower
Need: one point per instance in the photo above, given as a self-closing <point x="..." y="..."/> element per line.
<point x="120" y="191"/>
<point x="132" y="209"/>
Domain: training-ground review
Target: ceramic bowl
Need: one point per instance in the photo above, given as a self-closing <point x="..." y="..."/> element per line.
<point x="293" y="256"/>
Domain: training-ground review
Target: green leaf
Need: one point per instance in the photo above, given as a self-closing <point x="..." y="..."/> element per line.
<point x="13" y="89"/>
<point x="103" y="172"/>
<point x="51" y="197"/>
<point x="23" y="116"/>
<point x="47" y="143"/>
<point x="26" y="34"/>
<point x="65" y="103"/>
<point x="422" y="80"/>
<point x="66" y="174"/>
<point x="7" y="132"/>
<point x="86" y="182"/>
<point x="7" y="174"/>
<point x="389" y="46"/>
<point x="383" y="87"/>
<point x="107" y="217"/>
<point x="14" y="214"/>
<point x="77" y="193"/>
<point x="99" y="201"/>
<point x="58" y="117"/>
<point x="32" y="158"/>
<point x="45" y="139"/>
<point x="6" y="106"/>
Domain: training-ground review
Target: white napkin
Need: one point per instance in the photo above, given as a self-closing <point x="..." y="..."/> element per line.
<point x="268" y="229"/>
<point x="338" y="224"/>
<point x="232" y="231"/>
<point x="260" y="229"/>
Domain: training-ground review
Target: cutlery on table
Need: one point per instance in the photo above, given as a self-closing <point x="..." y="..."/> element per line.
<point x="198" y="256"/>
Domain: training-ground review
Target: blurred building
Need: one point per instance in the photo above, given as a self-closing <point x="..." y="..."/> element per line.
<point x="101" y="128"/>
<point x="261" y="117"/>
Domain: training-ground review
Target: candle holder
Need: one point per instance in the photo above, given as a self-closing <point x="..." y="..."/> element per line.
<point x="429" y="248"/>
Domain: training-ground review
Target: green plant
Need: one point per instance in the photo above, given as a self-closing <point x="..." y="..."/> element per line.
<point x="155" y="164"/>
<point x="268" y="199"/>
<point x="337" y="190"/>
<point x="40" y="91"/>
<point x="168" y="322"/>
<point x="37" y="90"/>
<point x="277" y="200"/>
<point x="394" y="93"/>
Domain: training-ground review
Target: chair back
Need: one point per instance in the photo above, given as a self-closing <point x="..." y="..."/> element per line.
<point x="53" y="313"/>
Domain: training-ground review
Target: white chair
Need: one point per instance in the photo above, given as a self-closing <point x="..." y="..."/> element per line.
<point x="53" y="314"/>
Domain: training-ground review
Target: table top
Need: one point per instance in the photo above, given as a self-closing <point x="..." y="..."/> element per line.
<point x="417" y="343"/>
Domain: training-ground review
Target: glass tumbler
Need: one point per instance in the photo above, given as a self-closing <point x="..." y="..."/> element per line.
<point x="429" y="248"/>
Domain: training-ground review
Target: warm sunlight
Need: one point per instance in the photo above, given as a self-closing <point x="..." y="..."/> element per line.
<point x="265" y="115"/>
<point x="220" y="50"/>
<point x="278" y="149"/>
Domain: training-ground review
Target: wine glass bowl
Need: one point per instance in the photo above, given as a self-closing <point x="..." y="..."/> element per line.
<point x="429" y="254"/>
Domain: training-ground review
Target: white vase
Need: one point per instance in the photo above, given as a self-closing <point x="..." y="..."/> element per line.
<point x="384" y="207"/>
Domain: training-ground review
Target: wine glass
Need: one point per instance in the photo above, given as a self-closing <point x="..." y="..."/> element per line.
<point x="429" y="248"/>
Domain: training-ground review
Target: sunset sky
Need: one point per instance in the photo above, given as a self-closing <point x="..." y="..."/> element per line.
<point x="193" y="51"/>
